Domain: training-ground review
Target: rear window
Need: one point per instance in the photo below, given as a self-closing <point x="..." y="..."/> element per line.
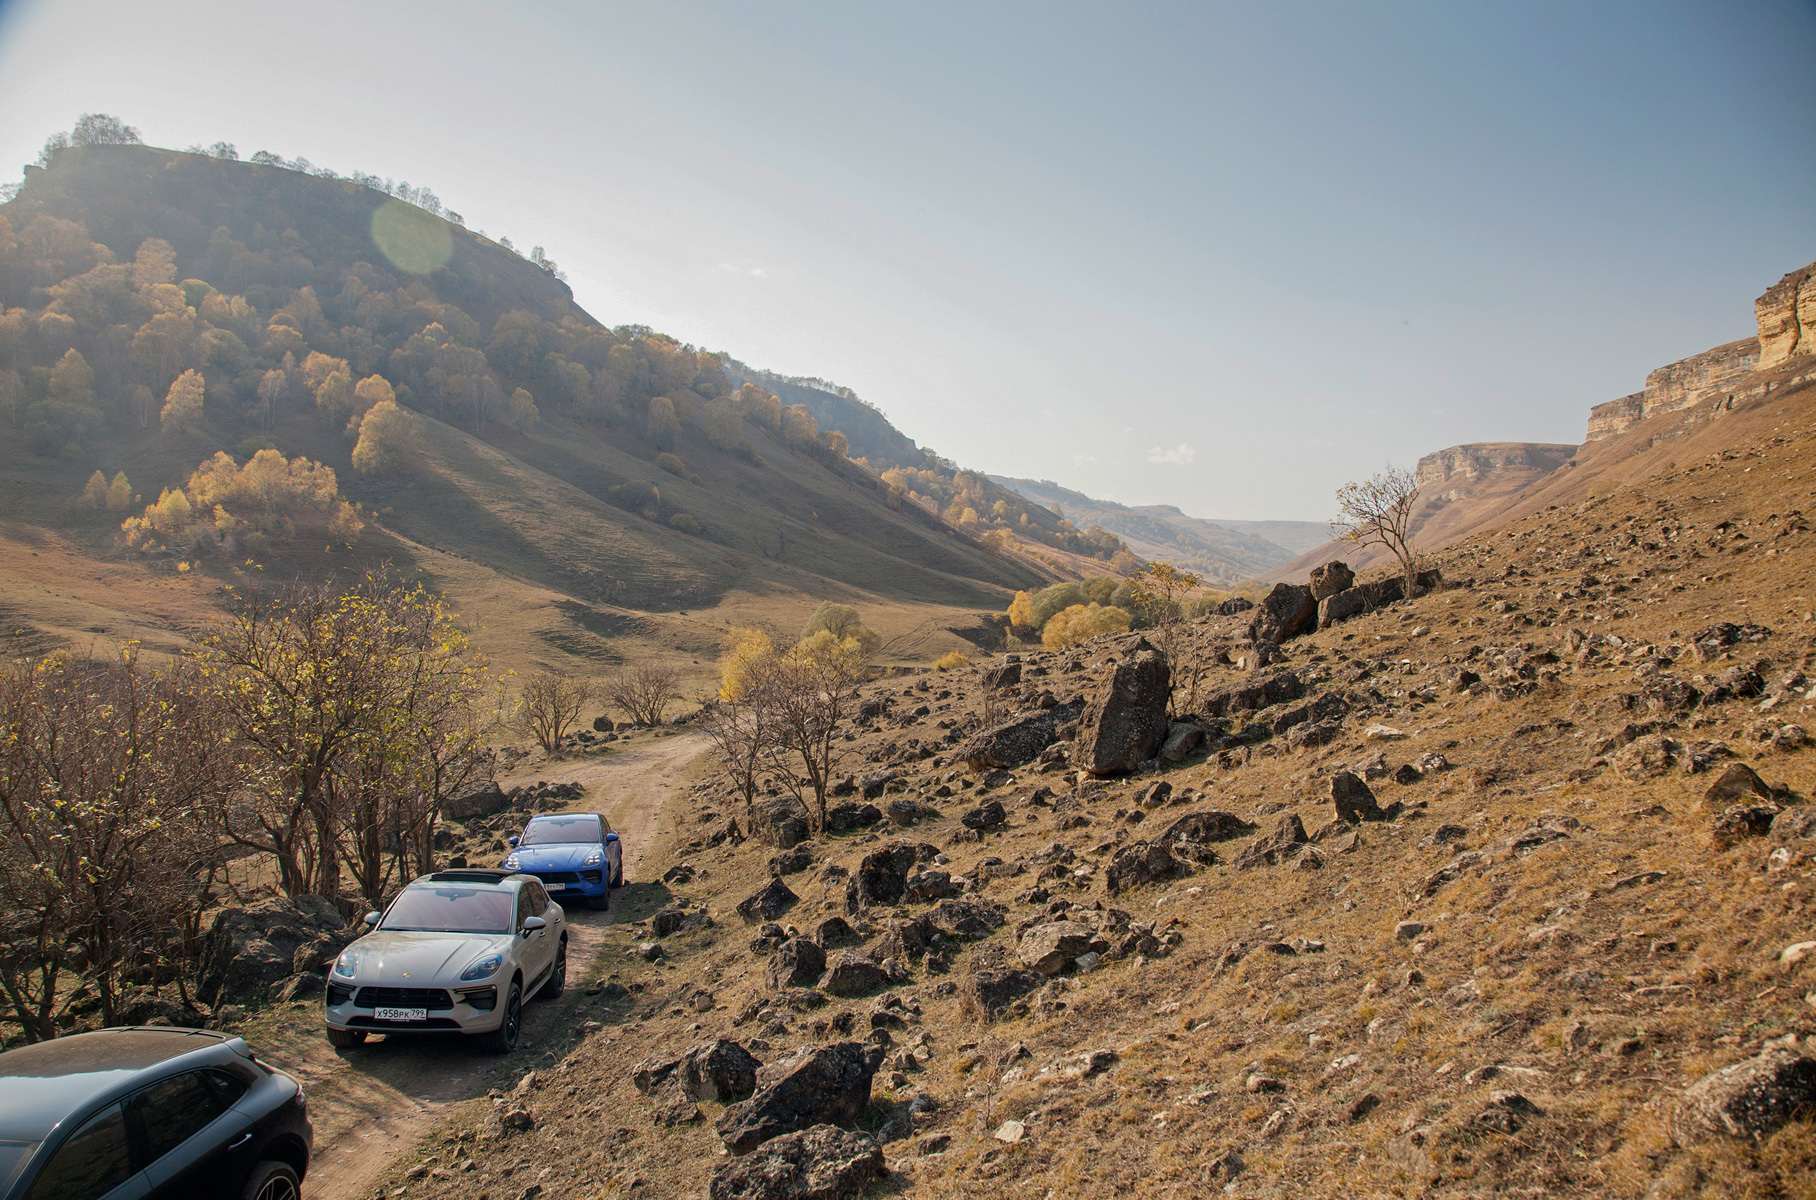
<point x="544" y="831"/>
<point x="13" y="1155"/>
<point x="450" y="910"/>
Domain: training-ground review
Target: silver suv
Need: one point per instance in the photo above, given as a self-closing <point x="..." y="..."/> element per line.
<point x="456" y="952"/>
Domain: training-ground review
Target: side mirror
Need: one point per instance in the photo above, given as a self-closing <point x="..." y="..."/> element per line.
<point x="511" y="841"/>
<point x="611" y="837"/>
<point x="372" y="919"/>
<point x="532" y="924"/>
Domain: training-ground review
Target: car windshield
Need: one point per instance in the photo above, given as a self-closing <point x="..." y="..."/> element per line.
<point x="451" y="910"/>
<point x="544" y="831"/>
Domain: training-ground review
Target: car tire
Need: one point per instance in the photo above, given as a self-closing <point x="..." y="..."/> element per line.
<point x="504" y="1039"/>
<point x="272" y="1180"/>
<point x="346" y="1039"/>
<point x="600" y="902"/>
<point x="557" y="981"/>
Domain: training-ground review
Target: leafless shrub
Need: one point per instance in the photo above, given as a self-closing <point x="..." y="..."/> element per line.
<point x="645" y="693"/>
<point x="550" y="704"/>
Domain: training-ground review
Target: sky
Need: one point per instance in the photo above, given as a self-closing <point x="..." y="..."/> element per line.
<point x="1221" y="256"/>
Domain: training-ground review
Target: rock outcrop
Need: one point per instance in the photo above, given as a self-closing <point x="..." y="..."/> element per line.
<point x="816" y="1085"/>
<point x="1687" y="383"/>
<point x="1126" y="721"/>
<point x="1286" y="612"/>
<point x="1750" y="1100"/>
<point x="247" y="950"/>
<point x="823" y="1162"/>
<point x="1787" y="318"/>
<point x="1011" y="743"/>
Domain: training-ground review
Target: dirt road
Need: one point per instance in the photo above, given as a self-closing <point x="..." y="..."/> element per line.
<point x="369" y="1103"/>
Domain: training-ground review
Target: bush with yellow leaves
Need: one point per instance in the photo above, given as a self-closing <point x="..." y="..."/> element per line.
<point x="1082" y="621"/>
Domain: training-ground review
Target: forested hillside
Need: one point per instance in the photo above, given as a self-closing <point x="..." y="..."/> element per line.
<point x="422" y="392"/>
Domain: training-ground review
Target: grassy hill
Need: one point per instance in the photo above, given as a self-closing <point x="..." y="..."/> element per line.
<point x="584" y="492"/>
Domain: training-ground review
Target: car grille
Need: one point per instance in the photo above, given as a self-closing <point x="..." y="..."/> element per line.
<point x="381" y="1026"/>
<point x="558" y="876"/>
<point x="390" y="997"/>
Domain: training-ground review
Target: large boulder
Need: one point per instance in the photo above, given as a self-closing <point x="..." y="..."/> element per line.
<point x="816" y="1085"/>
<point x="853" y="974"/>
<point x="1210" y="826"/>
<point x="1286" y="612"/>
<point x="1051" y="947"/>
<point x="1283" y="843"/>
<point x="1256" y="692"/>
<point x="672" y="920"/>
<point x="781" y="821"/>
<point x="797" y="962"/>
<point x="767" y="903"/>
<point x="1006" y="676"/>
<point x="1126" y="720"/>
<point x="721" y="1071"/>
<point x="1739" y="784"/>
<point x="882" y="876"/>
<point x="479" y="800"/>
<point x="1138" y="863"/>
<point x="1331" y="578"/>
<point x="1011" y="743"/>
<point x="843" y="818"/>
<point x="823" y="1162"/>
<point x="1750" y="1100"/>
<point x="1353" y="799"/>
<point x="246" y="950"/>
<point x="984" y="816"/>
<point x="989" y="993"/>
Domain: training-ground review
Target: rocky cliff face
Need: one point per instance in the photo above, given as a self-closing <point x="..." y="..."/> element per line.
<point x="1787" y="318"/>
<point x="1460" y="471"/>
<point x="1712" y="375"/>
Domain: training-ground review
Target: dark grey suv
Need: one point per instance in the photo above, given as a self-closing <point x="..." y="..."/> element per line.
<point x="121" y="1114"/>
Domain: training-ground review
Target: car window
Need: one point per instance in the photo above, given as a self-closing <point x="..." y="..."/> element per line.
<point x="605" y="826"/>
<point x="539" y="899"/>
<point x="226" y="1089"/>
<point x="450" y="910"/>
<point x="91" y="1162"/>
<point x="542" y="831"/>
<point x="170" y="1112"/>
<point x="524" y="910"/>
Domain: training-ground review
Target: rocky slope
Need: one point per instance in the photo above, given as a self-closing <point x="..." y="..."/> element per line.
<point x="1506" y="890"/>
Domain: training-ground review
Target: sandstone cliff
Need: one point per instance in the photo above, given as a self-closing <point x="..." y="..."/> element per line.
<point x="1787" y="318"/>
<point x="1712" y="375"/>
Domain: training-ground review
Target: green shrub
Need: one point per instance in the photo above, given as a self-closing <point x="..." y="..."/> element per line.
<point x="685" y="523"/>
<point x="672" y="464"/>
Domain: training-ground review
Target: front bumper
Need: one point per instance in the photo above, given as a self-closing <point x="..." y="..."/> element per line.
<point x="457" y="1008"/>
<point x="588" y="882"/>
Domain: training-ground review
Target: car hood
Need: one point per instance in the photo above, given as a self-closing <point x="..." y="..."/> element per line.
<point x="555" y="856"/>
<point x="399" y="959"/>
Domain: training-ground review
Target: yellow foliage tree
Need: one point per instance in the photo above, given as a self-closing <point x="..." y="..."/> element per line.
<point x="183" y="403"/>
<point x="94" y="496"/>
<point x="743" y="661"/>
<point x="1021" y="610"/>
<point x="1082" y="621"/>
<point x="387" y="439"/>
<point x="119" y="492"/>
<point x="225" y="504"/>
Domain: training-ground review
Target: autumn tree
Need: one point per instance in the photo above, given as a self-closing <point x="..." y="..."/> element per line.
<point x="842" y="621"/>
<point x="521" y="411"/>
<point x="183" y="403"/>
<point x="548" y="706"/>
<point x="808" y="693"/>
<point x="645" y="693"/>
<point x="1083" y="621"/>
<point x="388" y="439"/>
<point x="663" y="426"/>
<point x="1378" y="511"/>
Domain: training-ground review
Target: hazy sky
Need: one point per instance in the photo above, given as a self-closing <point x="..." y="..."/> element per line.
<point x="1220" y="256"/>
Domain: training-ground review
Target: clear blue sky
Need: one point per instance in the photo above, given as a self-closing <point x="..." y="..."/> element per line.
<point x="1221" y="256"/>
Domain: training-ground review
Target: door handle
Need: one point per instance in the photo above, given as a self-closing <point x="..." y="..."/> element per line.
<point x="237" y="1142"/>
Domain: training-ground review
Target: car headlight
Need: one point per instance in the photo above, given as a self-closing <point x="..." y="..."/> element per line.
<point x="484" y="967"/>
<point x="594" y="859"/>
<point x="347" y="964"/>
<point x="511" y="862"/>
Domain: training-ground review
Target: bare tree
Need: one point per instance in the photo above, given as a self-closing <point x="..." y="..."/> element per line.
<point x="550" y="705"/>
<point x="743" y="733"/>
<point x="1378" y="512"/>
<point x="645" y="693"/>
<point x="808" y="693"/>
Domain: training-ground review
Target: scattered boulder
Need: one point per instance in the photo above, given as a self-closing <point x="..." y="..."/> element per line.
<point x="672" y="920"/>
<point x="1331" y="578"/>
<point x="873" y="784"/>
<point x="881" y="877"/>
<point x="835" y="931"/>
<point x="822" y="1162"/>
<point x="1750" y="1100"/>
<point x="1276" y="847"/>
<point x="1256" y="692"/>
<point x="1737" y="785"/>
<point x="853" y="974"/>
<point x="721" y="1071"/>
<point x="1716" y="640"/>
<point x="1353" y="799"/>
<point x="482" y="799"/>
<point x="781" y="821"/>
<point x="1743" y="821"/>
<point x="843" y="818"/>
<point x="797" y="962"/>
<point x="1011" y="743"/>
<point x="767" y="903"/>
<point x="1647" y="758"/>
<point x="1212" y="826"/>
<point x="1006" y="676"/>
<point x="984" y="816"/>
<point x="906" y="812"/>
<point x="1182" y="738"/>
<point x="1507" y="1112"/>
<point x="1126" y="720"/>
<point x="1050" y="948"/>
<point x="1286" y="612"/>
<point x="247" y="950"/>
<point x="927" y="886"/>
<point x="989" y="993"/>
<point x="1234" y="605"/>
<point x="823" y="1085"/>
<point x="1138" y="863"/>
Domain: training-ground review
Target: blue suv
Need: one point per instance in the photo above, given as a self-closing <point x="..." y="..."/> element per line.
<point x="573" y="854"/>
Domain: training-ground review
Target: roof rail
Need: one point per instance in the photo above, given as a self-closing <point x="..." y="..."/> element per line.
<point x="471" y="875"/>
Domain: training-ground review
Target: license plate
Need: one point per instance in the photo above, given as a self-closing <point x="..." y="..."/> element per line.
<point x="400" y="1014"/>
<point x="555" y="887"/>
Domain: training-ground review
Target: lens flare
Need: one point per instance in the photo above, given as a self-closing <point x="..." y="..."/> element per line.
<point x="409" y="238"/>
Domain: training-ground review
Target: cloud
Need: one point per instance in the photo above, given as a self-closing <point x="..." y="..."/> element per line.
<point x="1177" y="456"/>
